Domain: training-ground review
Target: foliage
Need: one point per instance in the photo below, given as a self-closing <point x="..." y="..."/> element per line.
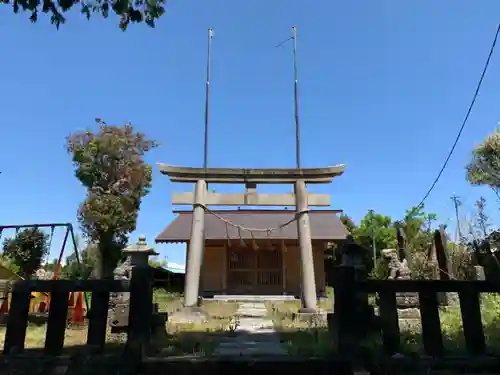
<point x="481" y="226"/>
<point x="484" y="167"/>
<point x="482" y="242"/>
<point x="135" y="11"/>
<point x="380" y="271"/>
<point x="377" y="225"/>
<point x="27" y="249"/>
<point x="348" y="223"/>
<point x="158" y="263"/>
<point x="421" y="267"/>
<point x="87" y="266"/>
<point x="417" y="228"/>
<point x="110" y="165"/>
<point x="51" y="266"/>
<point x="8" y="263"/>
<point x="461" y="261"/>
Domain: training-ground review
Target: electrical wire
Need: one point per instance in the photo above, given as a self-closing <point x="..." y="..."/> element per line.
<point x="466" y="118"/>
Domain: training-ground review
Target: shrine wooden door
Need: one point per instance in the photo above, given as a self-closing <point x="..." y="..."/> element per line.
<point x="257" y="272"/>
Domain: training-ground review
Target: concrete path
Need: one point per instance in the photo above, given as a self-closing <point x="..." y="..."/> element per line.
<point x="254" y="336"/>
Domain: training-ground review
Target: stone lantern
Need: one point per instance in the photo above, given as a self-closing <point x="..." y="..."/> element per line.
<point x="352" y="255"/>
<point x="138" y="254"/>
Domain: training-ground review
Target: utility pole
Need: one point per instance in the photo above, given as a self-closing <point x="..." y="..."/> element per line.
<point x="457" y="203"/>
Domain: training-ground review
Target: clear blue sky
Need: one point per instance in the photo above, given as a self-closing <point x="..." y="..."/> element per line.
<point x="384" y="87"/>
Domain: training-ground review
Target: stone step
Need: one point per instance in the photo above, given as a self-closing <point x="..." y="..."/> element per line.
<point x="252" y="313"/>
<point x="242" y="297"/>
<point x="249" y="352"/>
<point x="252" y="343"/>
<point x="254" y="335"/>
<point x="249" y="338"/>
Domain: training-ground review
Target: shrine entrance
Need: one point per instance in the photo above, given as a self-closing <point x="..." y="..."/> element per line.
<point x="258" y="272"/>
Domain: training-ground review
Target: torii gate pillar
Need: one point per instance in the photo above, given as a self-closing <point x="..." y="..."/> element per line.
<point x="251" y="177"/>
<point x="306" y="252"/>
<point x="196" y="245"/>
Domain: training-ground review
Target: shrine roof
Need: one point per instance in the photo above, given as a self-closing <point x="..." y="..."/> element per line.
<point x="325" y="225"/>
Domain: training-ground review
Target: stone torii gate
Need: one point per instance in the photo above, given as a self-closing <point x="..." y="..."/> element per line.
<point x="200" y="199"/>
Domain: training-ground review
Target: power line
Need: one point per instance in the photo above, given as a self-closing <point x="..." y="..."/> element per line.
<point x="466" y="118"/>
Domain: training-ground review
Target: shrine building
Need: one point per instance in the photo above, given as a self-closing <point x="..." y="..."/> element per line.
<point x="243" y="262"/>
<point x="254" y="251"/>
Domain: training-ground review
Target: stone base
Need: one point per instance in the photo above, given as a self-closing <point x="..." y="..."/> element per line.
<point x="189" y="315"/>
<point x="315" y="317"/>
<point x="412" y="313"/>
<point x="406" y="300"/>
<point x="118" y="316"/>
<point x="307" y="310"/>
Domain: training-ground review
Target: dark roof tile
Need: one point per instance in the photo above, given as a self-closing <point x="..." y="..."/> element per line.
<point x="325" y="225"/>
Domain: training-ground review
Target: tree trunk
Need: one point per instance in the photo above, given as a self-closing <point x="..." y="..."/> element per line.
<point x="109" y="255"/>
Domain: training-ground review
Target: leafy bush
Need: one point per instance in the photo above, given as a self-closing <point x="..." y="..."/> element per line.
<point x="421" y="267"/>
<point x="461" y="262"/>
<point x="27" y="249"/>
<point x="8" y="263"/>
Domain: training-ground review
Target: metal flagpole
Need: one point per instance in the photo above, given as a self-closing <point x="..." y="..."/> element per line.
<point x="207" y="96"/>
<point x="296" y="97"/>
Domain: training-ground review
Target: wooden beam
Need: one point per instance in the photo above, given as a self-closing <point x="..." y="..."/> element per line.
<point x="255" y="176"/>
<point x="216" y="199"/>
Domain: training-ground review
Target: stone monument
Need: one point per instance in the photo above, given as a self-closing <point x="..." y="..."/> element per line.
<point x="406" y="302"/>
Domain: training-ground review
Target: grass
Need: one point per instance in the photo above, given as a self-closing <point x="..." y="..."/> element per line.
<point x="180" y="339"/>
<point x="310" y="337"/>
<point x="302" y="337"/>
<point x="198" y="339"/>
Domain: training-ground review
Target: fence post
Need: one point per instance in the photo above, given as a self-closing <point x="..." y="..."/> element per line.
<point x="353" y="316"/>
<point x="345" y="306"/>
<point x="141" y="304"/>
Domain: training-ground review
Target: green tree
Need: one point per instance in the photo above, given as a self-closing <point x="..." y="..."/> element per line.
<point x="135" y="11"/>
<point x="484" y="167"/>
<point x="417" y="226"/>
<point x="110" y="165"/>
<point x="158" y="263"/>
<point x="375" y="229"/>
<point x="88" y="266"/>
<point x="348" y="223"/>
<point x="27" y="249"/>
<point x="90" y="258"/>
<point x="378" y="226"/>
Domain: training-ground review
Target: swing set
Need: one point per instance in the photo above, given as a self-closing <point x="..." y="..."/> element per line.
<point x="69" y="233"/>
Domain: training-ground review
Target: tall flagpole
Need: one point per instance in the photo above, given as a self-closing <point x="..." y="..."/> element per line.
<point x="296" y="97"/>
<point x="207" y="96"/>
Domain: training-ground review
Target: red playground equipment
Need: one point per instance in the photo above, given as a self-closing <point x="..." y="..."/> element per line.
<point x="41" y="301"/>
